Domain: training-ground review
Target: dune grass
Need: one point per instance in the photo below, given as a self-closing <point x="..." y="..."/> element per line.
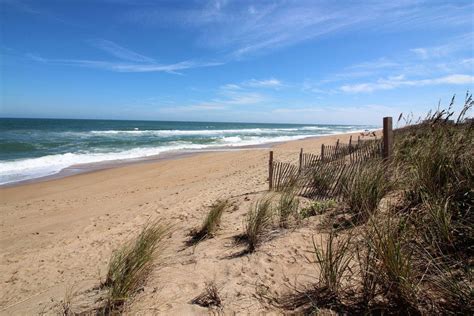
<point x="414" y="257"/>
<point x="287" y="207"/>
<point x="211" y="222"/>
<point x="395" y="261"/>
<point x="364" y="192"/>
<point x="130" y="265"/>
<point x="257" y="222"/>
<point x="333" y="260"/>
<point x="210" y="297"/>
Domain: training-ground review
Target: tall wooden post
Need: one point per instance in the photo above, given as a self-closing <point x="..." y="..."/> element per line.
<point x="270" y="170"/>
<point x="387" y="137"/>
<point x="301" y="160"/>
<point x="322" y="152"/>
<point x="358" y="140"/>
<point x="350" y="141"/>
<point x="337" y="144"/>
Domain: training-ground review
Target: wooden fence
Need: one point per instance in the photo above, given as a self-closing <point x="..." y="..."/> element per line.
<point x="315" y="170"/>
<point x="321" y="176"/>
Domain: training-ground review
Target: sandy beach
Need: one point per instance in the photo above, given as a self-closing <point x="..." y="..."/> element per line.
<point x="57" y="236"/>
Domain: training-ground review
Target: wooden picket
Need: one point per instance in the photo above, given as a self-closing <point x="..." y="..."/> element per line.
<point x="318" y="177"/>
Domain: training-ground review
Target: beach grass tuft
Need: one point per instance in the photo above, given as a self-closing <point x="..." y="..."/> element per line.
<point x="211" y="222"/>
<point x="332" y="259"/>
<point x="130" y="265"/>
<point x="364" y="192"/>
<point x="257" y="222"/>
<point x="287" y="207"/>
<point x="210" y="297"/>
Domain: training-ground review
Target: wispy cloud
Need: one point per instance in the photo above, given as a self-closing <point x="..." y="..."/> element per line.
<point x="242" y="28"/>
<point x="135" y="62"/>
<point x="120" y="52"/>
<point x="460" y="43"/>
<point x="394" y="82"/>
<point x="253" y="83"/>
<point x="268" y="83"/>
<point x="227" y="97"/>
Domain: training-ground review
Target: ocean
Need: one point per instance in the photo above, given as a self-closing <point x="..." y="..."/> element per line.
<point x="34" y="148"/>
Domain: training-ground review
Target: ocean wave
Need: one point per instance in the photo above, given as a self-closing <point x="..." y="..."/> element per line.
<point x="206" y="132"/>
<point x="31" y="168"/>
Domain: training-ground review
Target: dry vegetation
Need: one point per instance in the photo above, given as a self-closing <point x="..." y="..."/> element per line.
<point x="130" y="265"/>
<point x="209" y="297"/>
<point x="211" y="222"/>
<point x="257" y="223"/>
<point x="413" y="255"/>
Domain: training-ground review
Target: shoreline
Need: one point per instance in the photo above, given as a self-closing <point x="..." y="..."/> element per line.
<point x="88" y="168"/>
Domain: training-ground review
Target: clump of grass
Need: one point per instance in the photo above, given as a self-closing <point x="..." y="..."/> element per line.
<point x="333" y="261"/>
<point x="453" y="290"/>
<point x="368" y="272"/>
<point x="317" y="208"/>
<point x="211" y="222"/>
<point x="66" y="305"/>
<point x="439" y="228"/>
<point x="287" y="206"/>
<point x="210" y="297"/>
<point x="257" y="222"/>
<point x="394" y="261"/>
<point x="365" y="191"/>
<point x="130" y="265"/>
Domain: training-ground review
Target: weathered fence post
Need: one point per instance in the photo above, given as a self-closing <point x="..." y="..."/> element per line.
<point x="337" y="144"/>
<point x="301" y="161"/>
<point x="387" y="137"/>
<point x="358" y="140"/>
<point x="322" y="152"/>
<point x="350" y="141"/>
<point x="270" y="170"/>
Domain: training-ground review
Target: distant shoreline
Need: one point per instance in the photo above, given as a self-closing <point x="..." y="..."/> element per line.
<point x="169" y="155"/>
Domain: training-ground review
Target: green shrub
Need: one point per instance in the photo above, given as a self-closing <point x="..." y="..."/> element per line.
<point x="318" y="208"/>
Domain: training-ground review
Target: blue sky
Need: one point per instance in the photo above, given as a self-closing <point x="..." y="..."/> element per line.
<point x="347" y="62"/>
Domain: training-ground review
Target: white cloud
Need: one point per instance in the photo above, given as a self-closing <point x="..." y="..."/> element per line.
<point x="459" y="43"/>
<point x="268" y="83"/>
<point x="395" y="82"/>
<point x="126" y="67"/>
<point x="253" y="83"/>
<point x="193" y="108"/>
<point x="120" y="52"/>
<point x="241" y="98"/>
<point x="242" y="28"/>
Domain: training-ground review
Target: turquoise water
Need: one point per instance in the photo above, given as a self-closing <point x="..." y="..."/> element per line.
<point x="32" y="148"/>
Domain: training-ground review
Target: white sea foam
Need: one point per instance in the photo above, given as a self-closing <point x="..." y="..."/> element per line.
<point x="198" y="132"/>
<point x="30" y="168"/>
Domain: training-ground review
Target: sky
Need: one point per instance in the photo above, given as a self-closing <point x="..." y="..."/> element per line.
<point x="333" y="62"/>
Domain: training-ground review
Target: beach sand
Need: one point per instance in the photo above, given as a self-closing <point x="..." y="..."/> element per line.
<point x="57" y="236"/>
